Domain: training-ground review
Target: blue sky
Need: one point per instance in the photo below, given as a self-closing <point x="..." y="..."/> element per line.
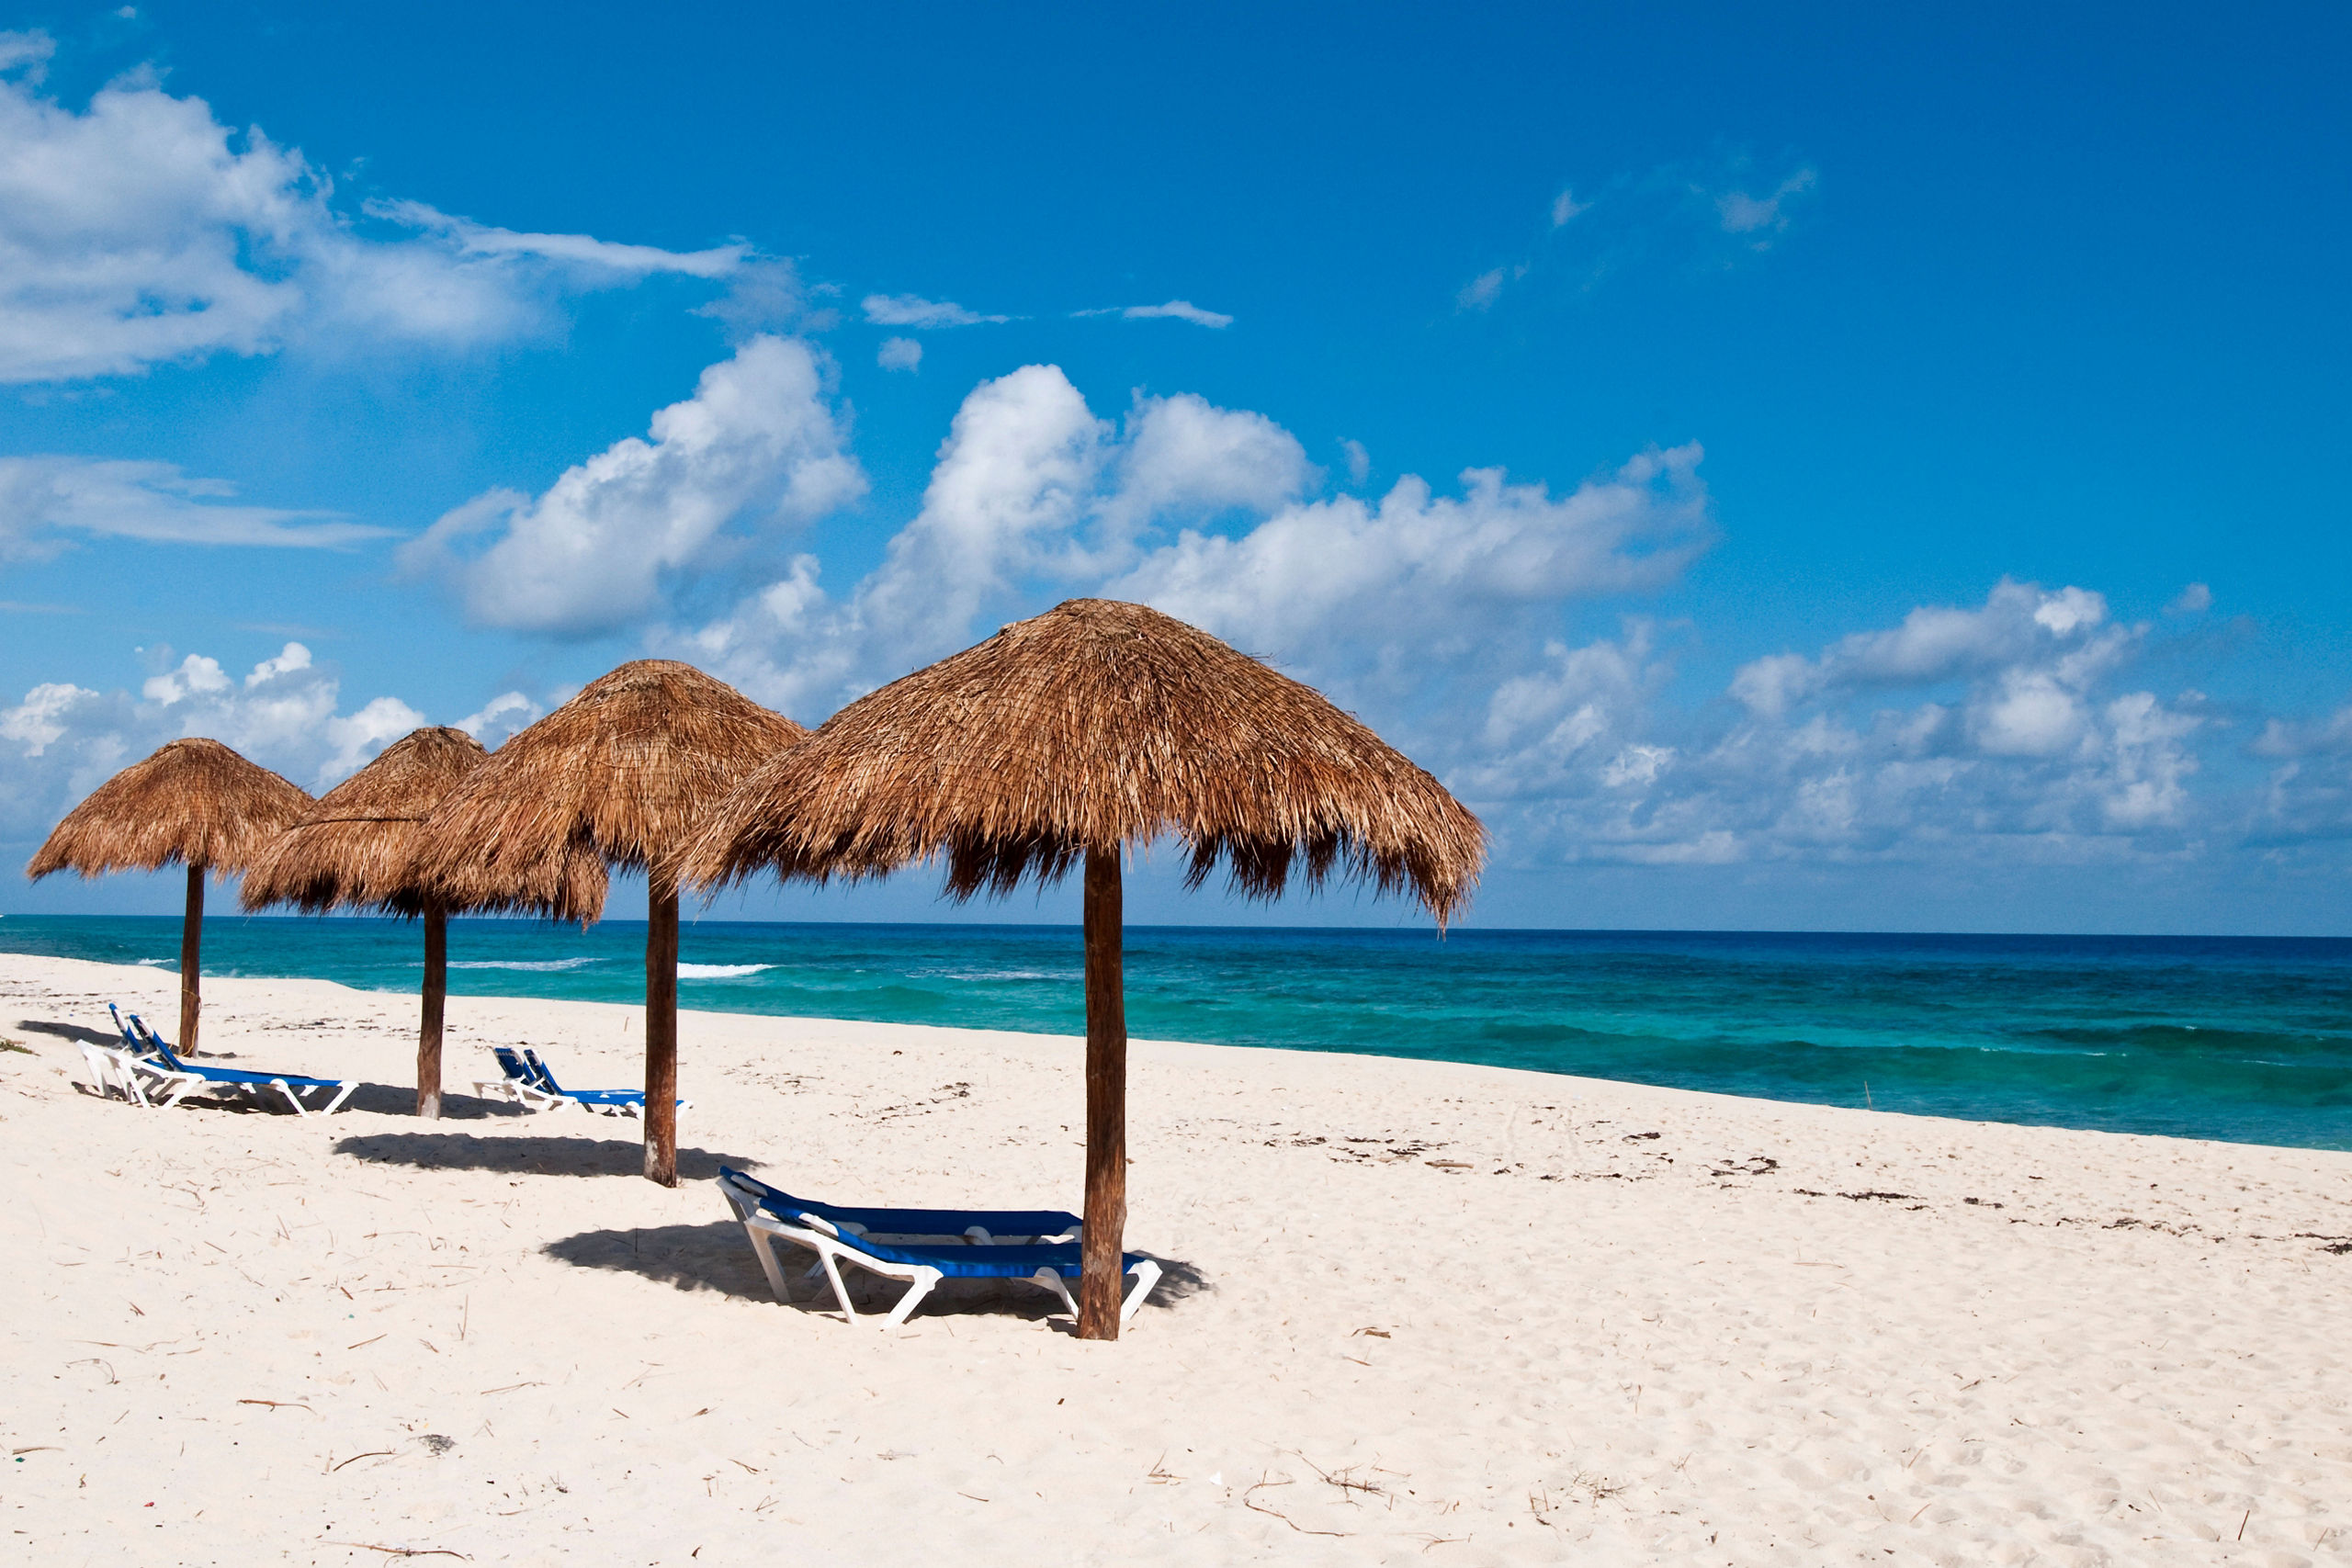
<point x="1783" y="467"/>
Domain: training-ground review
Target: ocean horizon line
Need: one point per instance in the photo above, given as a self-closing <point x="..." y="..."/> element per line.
<point x="1459" y="928"/>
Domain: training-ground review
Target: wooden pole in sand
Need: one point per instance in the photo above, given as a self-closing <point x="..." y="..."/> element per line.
<point x="1106" y="1102"/>
<point x="437" y="989"/>
<point x="191" y="946"/>
<point x="661" y="1032"/>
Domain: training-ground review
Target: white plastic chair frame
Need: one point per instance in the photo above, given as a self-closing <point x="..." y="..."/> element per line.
<point x="531" y="1097"/>
<point x="151" y="1084"/>
<point x="115" y="1072"/>
<point x="343" y="1087"/>
<point x="765" y="1230"/>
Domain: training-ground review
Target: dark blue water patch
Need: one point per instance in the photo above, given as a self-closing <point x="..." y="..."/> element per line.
<point x="2246" y="1039"/>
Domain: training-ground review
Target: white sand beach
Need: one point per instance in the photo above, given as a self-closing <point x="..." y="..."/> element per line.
<point x="1415" y="1313"/>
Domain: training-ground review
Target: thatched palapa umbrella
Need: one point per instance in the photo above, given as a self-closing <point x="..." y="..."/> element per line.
<point x="623" y="774"/>
<point x="194" y="802"/>
<point x="352" y="850"/>
<point x="1093" y="728"/>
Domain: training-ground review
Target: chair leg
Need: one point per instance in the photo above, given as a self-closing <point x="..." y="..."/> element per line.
<point x="917" y="1288"/>
<point x="764" y="1246"/>
<point x="1146" y="1276"/>
<point x="841" y="1291"/>
<point x="1052" y="1280"/>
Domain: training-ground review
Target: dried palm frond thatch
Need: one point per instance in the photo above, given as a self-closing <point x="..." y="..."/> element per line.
<point x="1091" y="730"/>
<point x="623" y="774"/>
<point x="194" y="802"/>
<point x="353" y="849"/>
<point x="1096" y="725"/>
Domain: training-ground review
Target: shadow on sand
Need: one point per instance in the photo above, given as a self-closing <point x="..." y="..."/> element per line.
<point x="718" y="1257"/>
<point x="555" y="1155"/>
<point x="399" y="1099"/>
<point x="74" y="1031"/>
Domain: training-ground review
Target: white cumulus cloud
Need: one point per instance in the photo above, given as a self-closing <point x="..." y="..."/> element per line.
<point x="1031" y="489"/>
<point x="1341" y="585"/>
<point x="62" y="740"/>
<point x="760" y="444"/>
<point x="500" y="718"/>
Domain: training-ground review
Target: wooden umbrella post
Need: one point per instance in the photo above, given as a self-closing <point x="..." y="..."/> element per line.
<point x="661" y="1032"/>
<point x="437" y="989"/>
<point x="191" y="948"/>
<point x="1106" y="1102"/>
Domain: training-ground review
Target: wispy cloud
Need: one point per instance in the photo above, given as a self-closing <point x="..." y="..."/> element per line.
<point x="47" y="502"/>
<point x="1174" y="310"/>
<point x="1759" y="217"/>
<point x="470" y="238"/>
<point x="915" y="310"/>
<point x="1481" y="292"/>
<point x="139" y="230"/>
<point x="1706" y="213"/>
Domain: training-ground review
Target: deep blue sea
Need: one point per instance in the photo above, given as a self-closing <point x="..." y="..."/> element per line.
<point x="2245" y="1039"/>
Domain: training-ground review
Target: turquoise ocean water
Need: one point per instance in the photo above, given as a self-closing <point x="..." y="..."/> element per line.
<point x="2246" y="1039"/>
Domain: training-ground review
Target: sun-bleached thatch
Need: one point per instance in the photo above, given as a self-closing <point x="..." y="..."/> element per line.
<point x="622" y="774"/>
<point x="353" y="848"/>
<point x="1096" y="726"/>
<point x="194" y="802"/>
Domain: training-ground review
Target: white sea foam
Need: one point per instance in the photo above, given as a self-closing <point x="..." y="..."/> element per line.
<point x="719" y="971"/>
<point x="535" y="964"/>
<point x="156" y="962"/>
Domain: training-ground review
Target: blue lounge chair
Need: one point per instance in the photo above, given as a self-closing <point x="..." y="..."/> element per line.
<point x="520" y="1085"/>
<point x="769" y="1216"/>
<point x="987" y="1226"/>
<point x="133" y="1041"/>
<point x="604" y="1102"/>
<point x="116" y="1069"/>
<point x="176" y="1079"/>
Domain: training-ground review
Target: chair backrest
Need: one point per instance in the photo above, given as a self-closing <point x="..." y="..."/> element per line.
<point x="512" y="1064"/>
<point x="154" y="1043"/>
<point x="539" y="1071"/>
<point x="775" y="1199"/>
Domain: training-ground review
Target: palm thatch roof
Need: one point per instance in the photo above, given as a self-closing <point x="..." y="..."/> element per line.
<point x="194" y="802"/>
<point x="353" y="848"/>
<point x="1095" y="725"/>
<point x="622" y="774"/>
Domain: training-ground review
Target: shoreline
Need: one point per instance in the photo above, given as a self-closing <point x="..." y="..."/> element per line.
<point x="2246" y="1049"/>
<point x="1539" y="1314"/>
